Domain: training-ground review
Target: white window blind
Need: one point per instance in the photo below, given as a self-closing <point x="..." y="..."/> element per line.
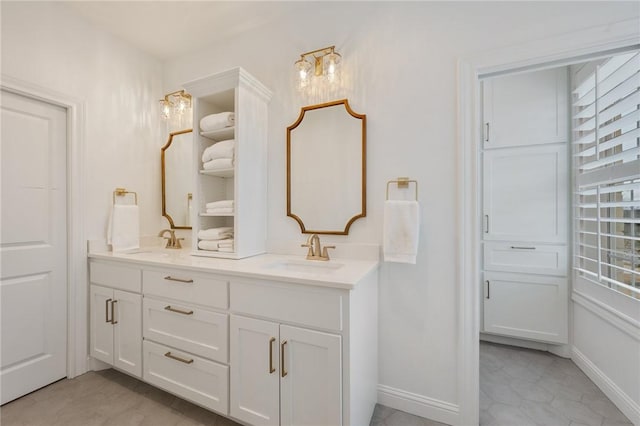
<point x="606" y="150"/>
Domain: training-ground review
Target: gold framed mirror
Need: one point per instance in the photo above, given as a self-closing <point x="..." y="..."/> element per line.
<point x="176" y="159"/>
<point x="326" y="168"/>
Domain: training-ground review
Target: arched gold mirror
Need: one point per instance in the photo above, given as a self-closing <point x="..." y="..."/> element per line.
<point x="326" y="168"/>
<point x="176" y="159"/>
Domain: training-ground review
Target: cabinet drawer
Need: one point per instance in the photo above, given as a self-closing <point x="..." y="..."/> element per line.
<point x="526" y="258"/>
<point x="115" y="276"/>
<point x="196" y="379"/>
<point x="189" y="328"/>
<point x="187" y="286"/>
<point x="297" y="304"/>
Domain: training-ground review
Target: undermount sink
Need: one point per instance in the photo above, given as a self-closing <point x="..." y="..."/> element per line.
<point x="307" y="266"/>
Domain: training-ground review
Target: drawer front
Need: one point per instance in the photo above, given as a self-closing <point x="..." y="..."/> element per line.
<point x="298" y="304"/>
<point x="190" y="377"/>
<point x="115" y="276"/>
<point x="189" y="328"/>
<point x="526" y="258"/>
<point x="187" y="287"/>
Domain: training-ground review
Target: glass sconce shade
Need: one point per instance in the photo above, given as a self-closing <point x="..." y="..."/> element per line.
<point x="303" y="72"/>
<point x="332" y="66"/>
<point x="165" y="109"/>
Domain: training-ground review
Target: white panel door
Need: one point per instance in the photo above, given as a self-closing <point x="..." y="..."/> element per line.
<point x="526" y="109"/>
<point x="311" y="389"/>
<point x="127" y="332"/>
<point x="526" y="306"/>
<point x="101" y="335"/>
<point x="525" y="194"/>
<point x="255" y="371"/>
<point x="33" y="245"/>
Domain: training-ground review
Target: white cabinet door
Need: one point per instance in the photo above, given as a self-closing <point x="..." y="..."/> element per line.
<point x="525" y="194"/>
<point x="255" y="369"/>
<point x="311" y="389"/>
<point x="101" y="340"/>
<point x="127" y="332"/>
<point x="526" y="109"/>
<point x="526" y="306"/>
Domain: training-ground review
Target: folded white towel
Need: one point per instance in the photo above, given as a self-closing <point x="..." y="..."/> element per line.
<point x="221" y="210"/>
<point x="216" y="233"/>
<point x="401" y="231"/>
<point x="208" y="245"/>
<point x="226" y="249"/>
<point x="219" y="204"/>
<point x="223" y="149"/>
<point x="226" y="243"/>
<point x="217" y="121"/>
<point x="123" y="232"/>
<point x="218" y="164"/>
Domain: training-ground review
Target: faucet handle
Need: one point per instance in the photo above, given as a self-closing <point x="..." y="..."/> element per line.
<point x="178" y="245"/>
<point x="310" y="252"/>
<point x="325" y="253"/>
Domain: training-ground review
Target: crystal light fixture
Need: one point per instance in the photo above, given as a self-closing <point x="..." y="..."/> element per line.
<point x="325" y="65"/>
<point x="174" y="104"/>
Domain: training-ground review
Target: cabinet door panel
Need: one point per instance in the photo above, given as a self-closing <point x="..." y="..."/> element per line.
<point x="101" y="330"/>
<point x="254" y="383"/>
<point x="127" y="332"/>
<point x="311" y="392"/>
<point x="526" y="306"/>
<point x="526" y="109"/>
<point x="525" y="194"/>
<point x="530" y="258"/>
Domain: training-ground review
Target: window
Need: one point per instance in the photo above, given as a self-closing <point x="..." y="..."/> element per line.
<point x="606" y="162"/>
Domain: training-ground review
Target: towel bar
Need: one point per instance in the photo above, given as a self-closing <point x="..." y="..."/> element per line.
<point x="402" y="183"/>
<point x="121" y="192"/>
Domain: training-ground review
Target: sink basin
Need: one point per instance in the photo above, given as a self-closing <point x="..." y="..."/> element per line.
<point x="305" y="266"/>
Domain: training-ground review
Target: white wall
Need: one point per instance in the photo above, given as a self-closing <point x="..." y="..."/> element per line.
<point x="45" y="45"/>
<point x="401" y="61"/>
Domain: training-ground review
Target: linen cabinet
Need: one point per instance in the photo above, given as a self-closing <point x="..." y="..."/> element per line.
<point x="525" y="197"/>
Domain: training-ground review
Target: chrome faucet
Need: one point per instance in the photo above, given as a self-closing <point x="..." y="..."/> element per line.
<point x="172" y="241"/>
<point x="316" y="251"/>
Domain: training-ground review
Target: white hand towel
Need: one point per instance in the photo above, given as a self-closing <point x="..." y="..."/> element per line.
<point x="225" y="243"/>
<point x="123" y="232"/>
<point x="208" y="245"/>
<point x="220" y="204"/>
<point x="401" y="231"/>
<point x="217" y="121"/>
<point x="221" y="210"/>
<point x="215" y="233"/>
<point x="218" y="164"/>
<point x="223" y="149"/>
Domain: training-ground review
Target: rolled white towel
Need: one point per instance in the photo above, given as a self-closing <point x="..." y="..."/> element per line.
<point x="226" y="243"/>
<point x="217" y="121"/>
<point x="223" y="149"/>
<point x="221" y="210"/>
<point x="208" y="245"/>
<point x="226" y="249"/>
<point x="218" y="164"/>
<point x="219" y="204"/>
<point x="216" y="233"/>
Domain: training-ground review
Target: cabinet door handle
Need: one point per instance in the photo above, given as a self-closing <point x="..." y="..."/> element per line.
<point x="113" y="317"/>
<point x="177" y="358"/>
<point x="522" y="248"/>
<point x="486" y="223"/>
<point x="178" y="311"/>
<point x="488" y="289"/>
<point x="283" y="372"/>
<point x="180" y="280"/>
<point x="106" y="310"/>
<point x="271" y="369"/>
<point x="487" y="138"/>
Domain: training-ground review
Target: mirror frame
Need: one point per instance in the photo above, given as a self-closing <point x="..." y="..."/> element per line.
<point x="354" y="114"/>
<point x="164" y="185"/>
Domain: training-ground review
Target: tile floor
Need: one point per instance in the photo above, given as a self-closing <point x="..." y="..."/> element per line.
<point x="518" y="387"/>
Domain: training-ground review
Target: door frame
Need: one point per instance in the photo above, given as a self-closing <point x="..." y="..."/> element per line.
<point x="77" y="319"/>
<point x="546" y="53"/>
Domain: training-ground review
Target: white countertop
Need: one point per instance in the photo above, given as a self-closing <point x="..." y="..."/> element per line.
<point x="337" y="273"/>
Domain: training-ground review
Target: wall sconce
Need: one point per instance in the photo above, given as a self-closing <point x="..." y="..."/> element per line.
<point x="175" y="103"/>
<point x="326" y="64"/>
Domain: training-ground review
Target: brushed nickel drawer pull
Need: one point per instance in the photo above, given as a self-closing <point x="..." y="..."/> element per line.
<point x="271" y="369"/>
<point x="113" y="316"/>
<point x="178" y="311"/>
<point x="177" y="358"/>
<point x="180" y="280"/>
<point x="522" y="248"/>
<point x="488" y="289"/>
<point x="106" y="310"/>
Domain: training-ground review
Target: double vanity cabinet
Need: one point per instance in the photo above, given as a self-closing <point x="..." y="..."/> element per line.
<point x="268" y="340"/>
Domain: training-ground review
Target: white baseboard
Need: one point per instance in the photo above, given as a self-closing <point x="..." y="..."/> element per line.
<point x="624" y="402"/>
<point x="419" y="405"/>
<point x="560" y="350"/>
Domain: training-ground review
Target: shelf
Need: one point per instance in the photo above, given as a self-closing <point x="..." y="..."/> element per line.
<point x="219" y="134"/>
<point x="217" y="214"/>
<point x="214" y="253"/>
<point x="224" y="173"/>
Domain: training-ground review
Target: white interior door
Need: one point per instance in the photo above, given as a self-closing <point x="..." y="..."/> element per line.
<point x="33" y="245"/>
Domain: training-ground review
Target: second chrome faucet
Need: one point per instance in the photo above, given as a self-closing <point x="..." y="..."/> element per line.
<point x="316" y="251"/>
